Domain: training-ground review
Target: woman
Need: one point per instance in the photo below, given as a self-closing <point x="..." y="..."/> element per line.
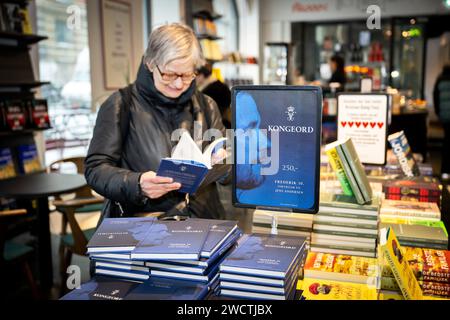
<point x="133" y="131"/>
<point x="337" y="71"/>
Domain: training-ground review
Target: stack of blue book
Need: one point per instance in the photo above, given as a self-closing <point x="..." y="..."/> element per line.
<point x="189" y="250"/>
<point x="111" y="246"/>
<point x="106" y="288"/>
<point x="262" y="267"/>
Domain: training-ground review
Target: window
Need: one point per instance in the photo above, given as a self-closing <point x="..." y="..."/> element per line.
<point x="64" y="61"/>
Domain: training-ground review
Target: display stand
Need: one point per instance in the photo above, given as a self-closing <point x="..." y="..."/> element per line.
<point x="274" y="224"/>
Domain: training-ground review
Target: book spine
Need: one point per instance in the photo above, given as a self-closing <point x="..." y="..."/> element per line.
<point x="338" y="168"/>
<point x="346" y="234"/>
<point x="357" y="192"/>
<point x="346" y="215"/>
<point x="343" y="247"/>
<point x="358" y="169"/>
<point x="347" y="224"/>
<point x="412" y="191"/>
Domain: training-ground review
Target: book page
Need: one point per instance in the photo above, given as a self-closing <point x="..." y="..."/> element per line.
<point x="207" y="154"/>
<point x="186" y="149"/>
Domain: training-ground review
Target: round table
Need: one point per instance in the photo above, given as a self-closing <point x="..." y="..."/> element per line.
<point x="40" y="186"/>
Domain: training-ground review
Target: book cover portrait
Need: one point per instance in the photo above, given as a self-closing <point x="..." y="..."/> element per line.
<point x="277" y="141"/>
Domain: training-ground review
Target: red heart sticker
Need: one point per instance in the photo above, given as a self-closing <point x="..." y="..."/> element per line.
<point x="373" y="124"/>
<point x="358" y="124"/>
<point x="344" y="123"/>
<point x="365" y="124"/>
<point x="380" y="124"/>
<point x="351" y="123"/>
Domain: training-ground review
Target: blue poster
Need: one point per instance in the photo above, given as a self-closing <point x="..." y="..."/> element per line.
<point x="277" y="147"/>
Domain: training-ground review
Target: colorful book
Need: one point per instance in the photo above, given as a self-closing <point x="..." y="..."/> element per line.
<point x="319" y="289"/>
<point x="402" y="150"/>
<point x="437" y="200"/>
<point x="7" y="169"/>
<point x="338" y="168"/>
<point x="176" y="240"/>
<point x="353" y="169"/>
<point x="390" y="250"/>
<point x="118" y="236"/>
<point x="264" y="255"/>
<point x="407" y="209"/>
<point x="28" y="159"/>
<point x="341" y="268"/>
<point x="415" y="186"/>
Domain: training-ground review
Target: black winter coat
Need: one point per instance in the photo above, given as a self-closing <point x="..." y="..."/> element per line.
<point x="113" y="167"/>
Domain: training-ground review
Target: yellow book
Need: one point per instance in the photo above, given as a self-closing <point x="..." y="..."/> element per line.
<point x="391" y="251"/>
<point x="317" y="289"/>
<point x="390" y="295"/>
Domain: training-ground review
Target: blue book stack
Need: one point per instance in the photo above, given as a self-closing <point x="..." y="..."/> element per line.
<point x="111" y="246"/>
<point x="139" y="249"/>
<point x="262" y="267"/>
<point x="221" y="236"/>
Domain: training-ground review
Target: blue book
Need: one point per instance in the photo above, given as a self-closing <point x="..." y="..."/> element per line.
<point x="28" y="159"/>
<point x="204" y="263"/>
<point x="119" y="235"/>
<point x="118" y="261"/>
<point x="7" y="169"/>
<point x="157" y="288"/>
<point x="121" y="267"/>
<point x="277" y="147"/>
<point x="177" y="240"/>
<point x="189" y="166"/>
<point x="270" y="256"/>
<point x="102" y="288"/>
<point x="122" y="274"/>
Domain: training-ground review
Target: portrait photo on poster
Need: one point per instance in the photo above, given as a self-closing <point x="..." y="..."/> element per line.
<point x="277" y="138"/>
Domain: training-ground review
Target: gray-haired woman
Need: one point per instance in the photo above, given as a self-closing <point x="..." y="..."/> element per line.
<point x="133" y="131"/>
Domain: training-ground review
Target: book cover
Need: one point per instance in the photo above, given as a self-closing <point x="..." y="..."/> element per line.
<point x="318" y="289"/>
<point x="157" y="288"/>
<point x="340" y="268"/>
<point x="219" y="233"/>
<point x="428" y="264"/>
<point x="390" y="295"/>
<point x="102" y="288"/>
<point x="28" y="159"/>
<point x="277" y="147"/>
<point x="402" y="150"/>
<point x="190" y="167"/>
<point x="7" y="169"/>
<point x="412" y="221"/>
<point x="436" y="289"/>
<point x="348" y="251"/>
<point x="38" y="113"/>
<point x="15" y="115"/>
<point x="122" y="274"/>
<point x="391" y="251"/>
<point x="410" y="209"/>
<point x="338" y="168"/>
<point x="418" y="233"/>
<point x="119" y="235"/>
<point x="437" y="200"/>
<point x="176" y="240"/>
<point x="264" y="255"/>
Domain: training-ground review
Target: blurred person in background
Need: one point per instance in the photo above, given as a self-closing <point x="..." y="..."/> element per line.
<point x="211" y="86"/>
<point x="338" y="75"/>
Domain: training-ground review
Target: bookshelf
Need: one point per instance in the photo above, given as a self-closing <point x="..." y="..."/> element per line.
<point x="21" y="114"/>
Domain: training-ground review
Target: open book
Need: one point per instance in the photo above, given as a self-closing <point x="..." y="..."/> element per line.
<point x="192" y="168"/>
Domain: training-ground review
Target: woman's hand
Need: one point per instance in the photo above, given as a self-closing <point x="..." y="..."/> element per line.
<point x="155" y="187"/>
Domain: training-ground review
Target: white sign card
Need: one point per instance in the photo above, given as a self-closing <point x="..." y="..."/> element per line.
<point x="117" y="43"/>
<point x="363" y="118"/>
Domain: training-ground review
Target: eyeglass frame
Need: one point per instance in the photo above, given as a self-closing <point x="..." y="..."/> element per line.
<point x="177" y="75"/>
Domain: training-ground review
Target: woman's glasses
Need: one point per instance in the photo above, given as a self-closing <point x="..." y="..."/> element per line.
<point x="171" y="76"/>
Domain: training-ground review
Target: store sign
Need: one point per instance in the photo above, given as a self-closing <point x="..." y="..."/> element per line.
<point x="364" y="119"/>
<point x="304" y="7"/>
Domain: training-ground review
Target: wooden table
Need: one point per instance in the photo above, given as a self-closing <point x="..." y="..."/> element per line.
<point x="39" y="187"/>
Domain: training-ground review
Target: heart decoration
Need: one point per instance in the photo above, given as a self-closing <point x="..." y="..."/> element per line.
<point x="373" y="124"/>
<point x="351" y="123"/>
<point x="380" y="124"/>
<point x="365" y="124"/>
<point x="343" y="123"/>
<point x="358" y="124"/>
